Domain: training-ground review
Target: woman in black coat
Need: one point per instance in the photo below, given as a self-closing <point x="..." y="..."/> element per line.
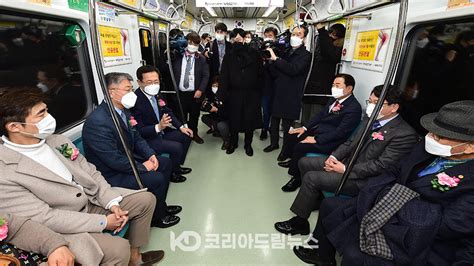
<point x="240" y="88"/>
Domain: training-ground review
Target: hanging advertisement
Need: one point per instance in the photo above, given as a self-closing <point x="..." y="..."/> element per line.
<point x="239" y="3"/>
<point x="133" y="4"/>
<point x="371" y="49"/>
<point x="115" y="46"/>
<point x="460" y="3"/>
<point x="81" y="5"/>
<point x="347" y="50"/>
<point x="289" y="22"/>
<point x="105" y="13"/>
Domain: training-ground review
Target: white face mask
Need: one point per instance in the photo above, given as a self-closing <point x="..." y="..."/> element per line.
<point x="248" y="40"/>
<point x="192" y="48"/>
<point x="267" y="39"/>
<point x="422" y="43"/>
<point x="152" y="89"/>
<point x="214" y="89"/>
<point x="18" y="42"/>
<point x="42" y="87"/>
<point x="220" y="37"/>
<point x="436" y="148"/>
<point x="370" y="110"/>
<point x="46" y="127"/>
<point x="128" y="100"/>
<point x="336" y="92"/>
<point x="296" y="41"/>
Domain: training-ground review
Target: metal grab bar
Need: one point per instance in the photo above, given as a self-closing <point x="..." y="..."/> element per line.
<point x="341" y="2"/>
<point x="100" y="72"/>
<point x="388" y="80"/>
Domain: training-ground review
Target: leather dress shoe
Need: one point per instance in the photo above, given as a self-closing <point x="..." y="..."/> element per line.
<point x="311" y="256"/>
<point x="210" y="131"/>
<point x="224" y="146"/>
<point x="271" y="148"/>
<point x="292" y="185"/>
<point x="167" y="221"/>
<point x="290" y="227"/>
<point x="230" y="149"/>
<point x="285" y="164"/>
<point x="184" y="170"/>
<point x="249" y="151"/>
<point x="282" y="157"/>
<point x="263" y="134"/>
<point x="177" y="178"/>
<point x="173" y="209"/>
<point x="152" y="257"/>
<point x="198" y="139"/>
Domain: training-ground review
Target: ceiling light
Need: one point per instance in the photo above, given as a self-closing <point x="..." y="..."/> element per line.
<point x="269" y="11"/>
<point x="211" y="11"/>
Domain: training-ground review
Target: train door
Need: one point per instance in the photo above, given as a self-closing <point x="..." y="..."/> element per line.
<point x="146" y="33"/>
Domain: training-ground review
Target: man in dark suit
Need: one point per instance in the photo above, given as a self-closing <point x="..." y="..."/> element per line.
<point x="290" y="71"/>
<point x="154" y="119"/>
<point x="103" y="148"/>
<point x="392" y="139"/>
<point x="324" y="132"/>
<point x="192" y="76"/>
<point x="220" y="46"/>
<point x="205" y="44"/>
<point x="434" y="229"/>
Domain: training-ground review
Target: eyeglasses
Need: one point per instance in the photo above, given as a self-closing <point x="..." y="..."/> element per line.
<point x="369" y="102"/>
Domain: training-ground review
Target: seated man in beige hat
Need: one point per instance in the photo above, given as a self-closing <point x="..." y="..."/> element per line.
<point x="43" y="177"/>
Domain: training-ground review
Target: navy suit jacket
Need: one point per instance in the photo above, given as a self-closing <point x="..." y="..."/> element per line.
<point x="145" y="115"/>
<point x="430" y="230"/>
<point x="331" y="129"/>
<point x="201" y="71"/>
<point x="103" y="148"/>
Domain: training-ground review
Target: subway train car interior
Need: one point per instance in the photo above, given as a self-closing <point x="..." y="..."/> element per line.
<point x="237" y="132"/>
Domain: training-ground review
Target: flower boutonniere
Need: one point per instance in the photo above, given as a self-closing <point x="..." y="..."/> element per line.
<point x="444" y="182"/>
<point x="161" y="103"/>
<point x="337" y="108"/>
<point x="3" y="229"/>
<point x="132" y="122"/>
<point x="377" y="135"/>
<point x="68" y="152"/>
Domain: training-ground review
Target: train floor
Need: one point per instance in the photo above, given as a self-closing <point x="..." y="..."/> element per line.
<point x="230" y="203"/>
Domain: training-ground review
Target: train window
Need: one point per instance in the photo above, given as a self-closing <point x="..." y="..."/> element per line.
<point x="35" y="52"/>
<point x="146" y="46"/>
<point x="439" y="70"/>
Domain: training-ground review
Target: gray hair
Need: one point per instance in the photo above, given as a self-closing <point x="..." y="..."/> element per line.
<point x="116" y="78"/>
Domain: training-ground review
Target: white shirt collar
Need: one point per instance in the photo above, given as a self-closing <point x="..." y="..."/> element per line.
<point x="385" y="121"/>
<point x="343" y="99"/>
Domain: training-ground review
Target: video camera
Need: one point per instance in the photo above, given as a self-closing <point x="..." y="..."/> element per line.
<point x="178" y="42"/>
<point x="279" y="46"/>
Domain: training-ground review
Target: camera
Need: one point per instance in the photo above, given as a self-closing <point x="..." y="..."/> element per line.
<point x="279" y="46"/>
<point x="177" y="41"/>
<point x="284" y="10"/>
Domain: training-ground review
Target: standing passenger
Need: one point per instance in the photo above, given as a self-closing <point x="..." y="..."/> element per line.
<point x="241" y="85"/>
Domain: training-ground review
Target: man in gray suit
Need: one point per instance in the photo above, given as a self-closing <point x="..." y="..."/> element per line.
<point x="391" y="139"/>
<point x="43" y="177"/>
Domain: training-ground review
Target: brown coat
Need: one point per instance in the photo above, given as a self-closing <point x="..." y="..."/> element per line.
<point x="29" y="189"/>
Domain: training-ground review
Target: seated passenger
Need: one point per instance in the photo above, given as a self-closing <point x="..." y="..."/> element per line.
<point x="324" y="132"/>
<point x="103" y="148"/>
<point x="391" y="139"/>
<point x="154" y="119"/>
<point x="43" y="177"/>
<point x="31" y="236"/>
<point x="216" y="119"/>
<point x="384" y="226"/>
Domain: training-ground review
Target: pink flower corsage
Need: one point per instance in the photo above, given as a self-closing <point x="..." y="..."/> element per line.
<point x="68" y="152"/>
<point x="444" y="182"/>
<point x="377" y="135"/>
<point x="3" y="229"/>
<point x="337" y="108"/>
<point x="161" y="102"/>
<point x="132" y="122"/>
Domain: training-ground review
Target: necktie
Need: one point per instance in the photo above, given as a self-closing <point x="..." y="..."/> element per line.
<point x="124" y="118"/>
<point x="335" y="107"/>
<point x="187" y="72"/>
<point x="433" y="168"/>
<point x="154" y="105"/>
<point x="376" y="125"/>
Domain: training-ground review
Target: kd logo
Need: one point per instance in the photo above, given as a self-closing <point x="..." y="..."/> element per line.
<point x="183" y="241"/>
